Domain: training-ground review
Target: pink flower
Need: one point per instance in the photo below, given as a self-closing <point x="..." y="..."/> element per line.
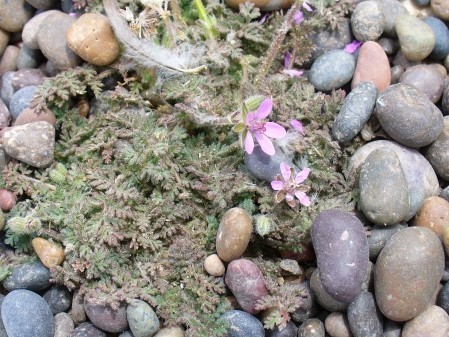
<point x="289" y="185"/>
<point x="297" y="125"/>
<point x="298" y="17"/>
<point x="352" y="47"/>
<point x="307" y="7"/>
<point x="287" y="64"/>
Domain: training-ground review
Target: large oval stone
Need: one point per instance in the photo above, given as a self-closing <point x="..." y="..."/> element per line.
<point x="427" y="79"/>
<point x="433" y="322"/>
<point x="233" y="234"/>
<point x="412" y="259"/>
<point x="437" y="153"/>
<point x="246" y="282"/>
<point x="383" y="188"/>
<point x="32" y="276"/>
<point x="441" y="48"/>
<point x="408" y="116"/>
<point x="105" y="317"/>
<point x="29" y="32"/>
<point x="341" y="248"/>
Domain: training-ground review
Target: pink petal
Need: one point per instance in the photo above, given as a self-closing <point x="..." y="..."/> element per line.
<point x="264" y="18"/>
<point x="274" y="130"/>
<point x="277" y="185"/>
<point x="352" y="47"/>
<point x="298" y="18"/>
<point x="265" y="143"/>
<point x="285" y="171"/>
<point x="307" y="7"/>
<point x="293" y="72"/>
<point x="264" y="109"/>
<point x="303" y="198"/>
<point x="301" y="176"/>
<point x="297" y="125"/>
<point x="250" y="117"/>
<point x="287" y="59"/>
<point x="249" y="143"/>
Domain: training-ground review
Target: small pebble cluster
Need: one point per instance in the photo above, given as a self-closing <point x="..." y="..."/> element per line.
<point x="391" y="281"/>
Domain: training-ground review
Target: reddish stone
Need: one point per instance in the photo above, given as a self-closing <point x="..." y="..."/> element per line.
<point x="29" y="116"/>
<point x="246" y="282"/>
<point x="7" y="200"/>
<point x="372" y="66"/>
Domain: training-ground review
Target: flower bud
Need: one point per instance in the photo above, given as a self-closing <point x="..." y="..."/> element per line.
<point x="58" y="174"/>
<point x="264" y="225"/>
<point x="253" y="102"/>
<point x="24" y="225"/>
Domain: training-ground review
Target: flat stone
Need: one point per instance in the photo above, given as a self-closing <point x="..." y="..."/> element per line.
<point x="14" y="14"/>
<point x="8" y="61"/>
<point x="87" y="330"/>
<point x="242" y="324"/>
<point x="437" y="152"/>
<point x="440" y="8"/>
<point x="337" y="325"/>
<point x="408" y="116"/>
<point x="441" y="32"/>
<point x="24" y="313"/>
<point x="364" y="317"/>
<point x="29" y="115"/>
<point x="58" y="298"/>
<point x="29" y="32"/>
<point x="263" y="166"/>
<point x="372" y="66"/>
<point x="32" y="276"/>
<point x="105" y="317"/>
<point x="367" y="21"/>
<point x="313" y="327"/>
<point x="391" y="10"/>
<point x="433" y="322"/>
<point x="32" y="143"/>
<point x="412" y="259"/>
<point x="379" y="236"/>
<point x="63" y="325"/>
<point x="142" y="319"/>
<point x="247" y="284"/>
<point x="427" y="79"/>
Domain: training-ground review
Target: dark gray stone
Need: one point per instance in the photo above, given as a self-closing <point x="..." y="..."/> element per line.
<point x="427" y="79"/>
<point x="29" y="58"/>
<point x="288" y="331"/>
<point x="391" y="328"/>
<point x="443" y="298"/>
<point x="6" y="87"/>
<point x="313" y="327"/>
<point x="21" y="100"/>
<point x="142" y="319"/>
<point x="341" y="249"/>
<point x="379" y="237"/>
<point x="364" y="318"/>
<point x="58" y="298"/>
<point x="367" y="21"/>
<point x="308" y="308"/>
<point x="390" y="46"/>
<point x="408" y="116"/>
<point x="263" y="166"/>
<point x="42" y="4"/>
<point x="63" y="325"/>
<point x="332" y="70"/>
<point x="322" y="296"/>
<point x="355" y="112"/>
<point x="33" y="276"/>
<point x="87" y="330"/>
<point x="105" y="317"/>
<point x="327" y="39"/>
<point x="396" y="73"/>
<point x="421" y="3"/>
<point x="26" y="314"/>
<point x="242" y="324"/>
<point x="441" y="48"/>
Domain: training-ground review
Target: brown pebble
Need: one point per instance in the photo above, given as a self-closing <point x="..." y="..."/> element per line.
<point x="50" y="254"/>
<point x="77" y="311"/>
<point x="337" y="325"/>
<point x="433" y="322"/>
<point x="427" y="79"/>
<point x="4" y="38"/>
<point x="29" y="116"/>
<point x="8" y="61"/>
<point x="433" y="214"/>
<point x="213" y="265"/>
<point x="7" y="200"/>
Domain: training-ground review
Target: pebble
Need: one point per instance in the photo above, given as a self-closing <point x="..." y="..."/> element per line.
<point x="242" y="324"/>
<point x="427" y="79"/>
<point x="379" y="236"/>
<point x="2" y="327"/>
<point x="308" y="307"/>
<point x="233" y="234"/>
<point x="355" y="112"/>
<point x="51" y="38"/>
<point x="391" y="10"/>
<point x="437" y="153"/>
<point x="32" y="276"/>
<point x="25" y="313"/>
<point x="291" y="267"/>
<point x="5" y="116"/>
<point x="14" y="14"/>
<point x="364" y="317"/>
<point x="408" y="116"/>
<point x="443" y="298"/>
<point x="126" y="334"/>
<point x="21" y="100"/>
<point x="412" y="259"/>
<point x="416" y="37"/>
<point x="58" y="298"/>
<point x="29" y="116"/>
<point x="313" y="327"/>
<point x="142" y="319"/>
<point x="263" y="166"/>
<point x="6" y="87"/>
<point x="332" y="70"/>
<point x="383" y="188"/>
<point x="4" y="38"/>
<point x="441" y="32"/>
<point x="434" y="215"/>
<point x="7" y="200"/>
<point x="105" y="317"/>
<point x="87" y="330"/>
<point x="29" y="32"/>
<point x="264" y="5"/>
<point x="401" y="60"/>
<point x="63" y="325"/>
<point x="392" y="328"/>
<point x="389" y="46"/>
<point x="8" y="61"/>
<point x="445" y="99"/>
<point x="28" y="58"/>
<point x="247" y="284"/>
<point x="367" y="21"/>
<point x="32" y="143"/>
<point x="77" y="311"/>
<point x="323" y="298"/>
<point x="341" y="248"/>
<point x="288" y="331"/>
<point x="91" y="37"/>
<point x="214" y="266"/>
<point x="27" y="77"/>
<point x="440" y="8"/>
<point x="327" y="39"/>
<point x="337" y="325"/>
<point x="49" y="253"/>
<point x="433" y="322"/>
<point x="170" y="332"/>
<point x="42" y="4"/>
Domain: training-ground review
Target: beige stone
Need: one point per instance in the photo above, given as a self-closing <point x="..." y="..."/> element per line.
<point x="170" y="332"/>
<point x="214" y="266"/>
<point x="50" y="254"/>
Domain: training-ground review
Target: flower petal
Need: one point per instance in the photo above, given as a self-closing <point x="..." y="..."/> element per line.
<point x="279" y="196"/>
<point x="249" y="143"/>
<point x="301" y="176"/>
<point x="307" y="7"/>
<point x="277" y="185"/>
<point x="274" y="130"/>
<point x="293" y="72"/>
<point x="250" y="117"/>
<point x="285" y="171"/>
<point x="264" y="108"/>
<point x="298" y="17"/>
<point x="297" y="125"/>
<point x="290" y="200"/>
<point x="352" y="47"/>
<point x="265" y="143"/>
<point x="287" y="60"/>
<point x="303" y="198"/>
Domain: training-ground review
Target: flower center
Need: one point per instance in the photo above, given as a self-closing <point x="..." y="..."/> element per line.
<point x="257" y="127"/>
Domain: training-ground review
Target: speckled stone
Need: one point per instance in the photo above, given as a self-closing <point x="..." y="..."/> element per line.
<point x="427" y="79"/>
<point x="379" y="236"/>
<point x="440" y="8"/>
<point x="2" y="327"/>
<point x="332" y="70"/>
<point x="364" y="317"/>
<point x="42" y="4"/>
<point x="412" y="259"/>
<point x="437" y="153"/>
<point x="6" y="87"/>
<point x="233" y="234"/>
<point x="142" y="319"/>
<point x="383" y="188"/>
<point x="367" y="21"/>
<point x="21" y="100"/>
<point x="337" y="325"/>
<point x="5" y="116"/>
<point x="355" y="112"/>
<point x="263" y="166"/>
<point x="27" y="77"/>
<point x="32" y="143"/>
<point x="247" y="284"/>
<point x="87" y="330"/>
<point x="327" y="39"/>
<point x="408" y="116"/>
<point x="14" y="14"/>
<point x="288" y="331"/>
<point x="441" y="32"/>
<point x="322" y="296"/>
<point x="433" y="322"/>
<point x="29" y="32"/>
<point x="25" y="313"/>
<point x="391" y="10"/>
<point x="58" y="298"/>
<point x="416" y="37"/>
<point x="31" y="276"/>
<point x="8" y="61"/>
<point x="105" y="317"/>
<point x="308" y="307"/>
<point x="242" y="324"/>
<point x="63" y="325"/>
<point x="313" y="327"/>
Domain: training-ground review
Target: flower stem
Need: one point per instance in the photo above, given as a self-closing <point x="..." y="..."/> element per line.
<point x="209" y="22"/>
